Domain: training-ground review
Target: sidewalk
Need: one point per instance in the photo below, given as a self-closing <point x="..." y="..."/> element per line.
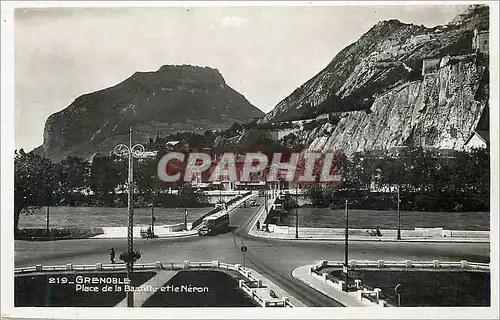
<point x="324" y="237"/>
<point x="268" y="285"/>
<point x="348" y="299"/>
<point x="157" y="281"/>
<point x="121" y="232"/>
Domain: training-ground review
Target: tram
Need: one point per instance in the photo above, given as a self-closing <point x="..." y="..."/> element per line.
<point x="214" y="223"/>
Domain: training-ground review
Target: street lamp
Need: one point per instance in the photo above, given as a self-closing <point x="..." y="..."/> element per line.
<point x="51" y="195"/>
<point x="153" y="218"/>
<point x="131" y="152"/>
<point x="346" y="250"/>
<point x="296" y="213"/>
<point x="399" y="217"/>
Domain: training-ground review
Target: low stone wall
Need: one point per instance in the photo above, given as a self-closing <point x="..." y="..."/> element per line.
<point x="160" y="230"/>
<point x="308" y="232"/>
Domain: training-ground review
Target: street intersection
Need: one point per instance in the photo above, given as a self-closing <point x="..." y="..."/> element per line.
<point x="274" y="258"/>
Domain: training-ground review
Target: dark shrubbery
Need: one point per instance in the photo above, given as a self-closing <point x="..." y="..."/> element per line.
<point x="428" y="181"/>
<point x="57" y="234"/>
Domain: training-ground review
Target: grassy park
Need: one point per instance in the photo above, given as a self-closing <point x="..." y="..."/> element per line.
<point x="222" y="291"/>
<point x="429" y="288"/>
<point x="59" y="290"/>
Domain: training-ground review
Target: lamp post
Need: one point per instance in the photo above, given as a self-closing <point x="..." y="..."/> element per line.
<point x="346" y="250"/>
<point x="153" y="218"/>
<point x="48" y="229"/>
<point x="265" y="190"/>
<point x="296" y="213"/>
<point x="51" y="194"/>
<point x="131" y="152"/>
<point x="399" y="217"/>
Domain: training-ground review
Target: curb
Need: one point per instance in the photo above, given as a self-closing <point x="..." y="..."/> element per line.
<point x="159" y="237"/>
<point x="461" y="240"/>
<point x="312" y="287"/>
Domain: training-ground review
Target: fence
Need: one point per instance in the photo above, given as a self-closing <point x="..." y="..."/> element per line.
<point x="249" y="284"/>
<point x="374" y="295"/>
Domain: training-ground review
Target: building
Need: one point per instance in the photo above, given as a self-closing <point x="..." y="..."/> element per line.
<point x="171" y="145"/>
<point x="430" y="66"/>
<point x="477" y="139"/>
<point x="481" y="41"/>
<point x="177" y="146"/>
<point x="421" y="38"/>
<point x="148" y="155"/>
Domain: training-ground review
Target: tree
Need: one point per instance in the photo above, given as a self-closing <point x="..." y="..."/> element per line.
<point x="145" y="172"/>
<point x="107" y="173"/>
<point x="188" y="196"/>
<point x="316" y="194"/>
<point x="34" y="182"/>
<point x="291" y="142"/>
<point x="73" y="174"/>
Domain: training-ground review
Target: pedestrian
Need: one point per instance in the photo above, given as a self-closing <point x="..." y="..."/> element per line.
<point x="258" y="225"/>
<point x="112" y="255"/>
<point x="379" y="234"/>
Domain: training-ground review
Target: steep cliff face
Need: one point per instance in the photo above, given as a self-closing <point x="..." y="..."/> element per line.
<point x="399" y="84"/>
<point x="438" y="111"/>
<point x="174" y="98"/>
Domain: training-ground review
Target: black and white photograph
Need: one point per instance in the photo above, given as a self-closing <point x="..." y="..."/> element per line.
<point x="250" y="160"/>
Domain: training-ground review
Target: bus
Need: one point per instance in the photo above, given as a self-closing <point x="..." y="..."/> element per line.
<point x="214" y="223"/>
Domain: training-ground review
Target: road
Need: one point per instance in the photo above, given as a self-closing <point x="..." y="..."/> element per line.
<point x="274" y="258"/>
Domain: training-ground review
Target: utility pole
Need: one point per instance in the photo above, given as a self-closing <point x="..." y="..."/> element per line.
<point x="153" y="213"/>
<point x="399" y="217"/>
<point x="296" y="213"/>
<point x="346" y="250"/>
<point x="265" y="190"/>
<point x="48" y="230"/>
<point x="48" y="211"/>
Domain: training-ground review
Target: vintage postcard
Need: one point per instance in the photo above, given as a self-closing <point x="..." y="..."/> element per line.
<point x="250" y="160"/>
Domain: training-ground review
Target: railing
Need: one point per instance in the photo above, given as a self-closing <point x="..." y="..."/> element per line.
<point x="200" y="264"/>
<point x="26" y="270"/>
<point x="250" y="279"/>
<point x="116" y="266"/>
<point x="406" y="264"/>
<point x="198" y="221"/>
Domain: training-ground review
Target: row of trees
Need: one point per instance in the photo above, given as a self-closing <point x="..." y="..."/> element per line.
<point x="427" y="180"/>
<point x="74" y="181"/>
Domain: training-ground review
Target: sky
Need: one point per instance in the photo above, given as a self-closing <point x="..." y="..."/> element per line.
<point x="263" y="52"/>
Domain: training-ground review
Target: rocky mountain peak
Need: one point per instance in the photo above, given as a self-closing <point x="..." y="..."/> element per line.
<point x="173" y="98"/>
<point x="395" y="69"/>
